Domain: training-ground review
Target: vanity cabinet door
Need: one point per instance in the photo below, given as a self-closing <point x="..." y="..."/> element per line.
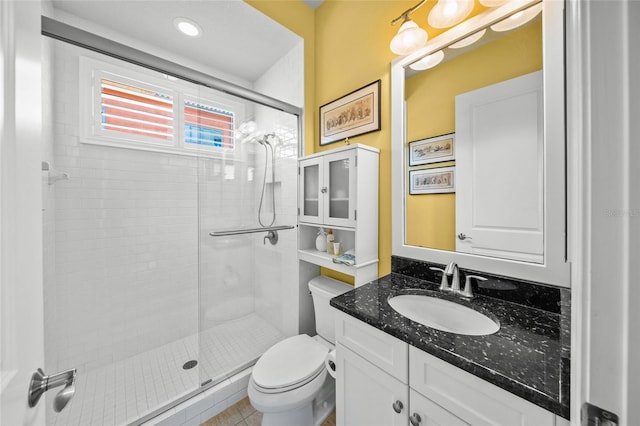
<point x="366" y="395"/>
<point x="425" y="412"/>
<point x="472" y="399"/>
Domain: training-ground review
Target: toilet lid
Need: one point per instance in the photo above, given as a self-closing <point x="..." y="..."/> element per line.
<point x="289" y="362"/>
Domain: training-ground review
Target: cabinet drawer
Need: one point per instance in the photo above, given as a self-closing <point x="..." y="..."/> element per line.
<point x="472" y="399"/>
<point x="384" y="351"/>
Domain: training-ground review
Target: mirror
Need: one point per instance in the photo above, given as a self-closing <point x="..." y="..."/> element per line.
<point x="478" y="146"/>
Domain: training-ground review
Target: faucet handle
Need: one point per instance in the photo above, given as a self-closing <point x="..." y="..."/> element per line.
<point x="444" y="282"/>
<point x="468" y="290"/>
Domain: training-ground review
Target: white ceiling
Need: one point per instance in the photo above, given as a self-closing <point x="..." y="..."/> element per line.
<point x="237" y="39"/>
<point x="314" y="3"/>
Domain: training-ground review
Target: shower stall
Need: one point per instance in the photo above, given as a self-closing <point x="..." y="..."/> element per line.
<point x="159" y="282"/>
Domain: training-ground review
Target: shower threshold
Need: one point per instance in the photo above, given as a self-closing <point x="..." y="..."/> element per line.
<point x="136" y="388"/>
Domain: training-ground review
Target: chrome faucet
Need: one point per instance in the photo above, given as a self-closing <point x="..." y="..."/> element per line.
<point x="454" y="285"/>
<point x="452" y="271"/>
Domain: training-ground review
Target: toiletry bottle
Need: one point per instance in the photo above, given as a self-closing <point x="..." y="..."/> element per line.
<point x="330" y="238"/>
<point x="321" y="240"/>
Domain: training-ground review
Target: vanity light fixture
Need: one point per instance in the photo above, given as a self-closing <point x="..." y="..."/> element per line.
<point x="447" y="13"/>
<point x="410" y="36"/>
<point x="492" y="3"/>
<point x="469" y="40"/>
<point x="518" y="19"/>
<point x="428" y="61"/>
<point x="187" y="27"/>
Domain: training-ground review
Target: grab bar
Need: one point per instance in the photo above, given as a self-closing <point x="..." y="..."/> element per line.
<point x="249" y="230"/>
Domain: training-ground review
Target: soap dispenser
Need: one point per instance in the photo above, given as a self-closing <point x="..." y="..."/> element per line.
<point x="321" y="240"/>
<point x="330" y="239"/>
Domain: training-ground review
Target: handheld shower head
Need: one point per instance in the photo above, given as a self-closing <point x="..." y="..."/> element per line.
<point x="271" y="139"/>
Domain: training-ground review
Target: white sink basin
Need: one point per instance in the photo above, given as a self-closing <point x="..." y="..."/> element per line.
<point x="443" y="315"/>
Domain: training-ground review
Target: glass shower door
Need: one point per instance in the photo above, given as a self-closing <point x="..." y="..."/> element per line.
<point x="244" y="278"/>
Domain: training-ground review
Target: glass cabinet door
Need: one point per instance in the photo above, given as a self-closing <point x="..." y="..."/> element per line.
<point x="311" y="188"/>
<point x="340" y="202"/>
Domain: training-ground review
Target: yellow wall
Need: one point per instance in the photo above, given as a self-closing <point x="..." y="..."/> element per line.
<point x="346" y="47"/>
<point x="352" y="50"/>
<point x="431" y="112"/>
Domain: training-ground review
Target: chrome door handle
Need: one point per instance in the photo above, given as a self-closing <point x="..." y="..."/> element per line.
<point x="463" y="237"/>
<point x="40" y="383"/>
<point x="398" y="406"/>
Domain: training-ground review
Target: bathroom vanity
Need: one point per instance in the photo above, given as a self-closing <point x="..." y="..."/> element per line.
<point x="394" y="371"/>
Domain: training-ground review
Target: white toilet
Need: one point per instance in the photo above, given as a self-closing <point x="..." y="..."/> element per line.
<point x="289" y="384"/>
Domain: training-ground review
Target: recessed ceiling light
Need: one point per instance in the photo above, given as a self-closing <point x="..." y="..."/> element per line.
<point x="188" y="27"/>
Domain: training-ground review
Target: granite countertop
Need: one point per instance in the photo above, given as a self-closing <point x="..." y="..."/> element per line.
<point x="524" y="357"/>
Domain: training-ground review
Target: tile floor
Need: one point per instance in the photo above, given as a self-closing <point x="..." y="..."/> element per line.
<point x="243" y="414"/>
<point x="120" y="393"/>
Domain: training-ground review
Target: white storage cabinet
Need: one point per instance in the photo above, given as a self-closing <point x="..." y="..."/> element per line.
<point x="339" y="190"/>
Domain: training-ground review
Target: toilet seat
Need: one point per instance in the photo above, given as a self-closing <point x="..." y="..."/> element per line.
<point x="289" y="364"/>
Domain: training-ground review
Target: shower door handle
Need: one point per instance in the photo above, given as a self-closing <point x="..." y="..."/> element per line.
<point x="40" y="383"/>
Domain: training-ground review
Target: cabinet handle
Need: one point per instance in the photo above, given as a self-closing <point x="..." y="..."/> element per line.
<point x="415" y="419"/>
<point x="398" y="406"/>
<point x="323" y="189"/>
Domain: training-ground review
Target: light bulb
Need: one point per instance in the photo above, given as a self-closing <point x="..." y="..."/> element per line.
<point x="410" y="38"/>
<point x="428" y="61"/>
<point x="447" y="13"/>
<point x="518" y="19"/>
<point x="468" y="40"/>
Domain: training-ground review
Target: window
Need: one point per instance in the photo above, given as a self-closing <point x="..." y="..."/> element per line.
<point x="143" y="110"/>
<point x="128" y="109"/>
<point x="207" y="126"/>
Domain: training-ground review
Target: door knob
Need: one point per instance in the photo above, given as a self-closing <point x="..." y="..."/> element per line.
<point x="415" y="419"/>
<point x="40" y="383"/>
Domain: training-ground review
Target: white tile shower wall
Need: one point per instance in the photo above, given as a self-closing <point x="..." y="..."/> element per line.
<point x="277" y="287"/>
<point x="126" y="242"/>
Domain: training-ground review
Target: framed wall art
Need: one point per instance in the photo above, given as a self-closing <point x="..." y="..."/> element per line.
<point x="432" y="181"/>
<point x="352" y="115"/>
<point x="432" y="150"/>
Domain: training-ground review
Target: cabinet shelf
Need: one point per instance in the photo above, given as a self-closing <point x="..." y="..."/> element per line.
<point x="326" y="260"/>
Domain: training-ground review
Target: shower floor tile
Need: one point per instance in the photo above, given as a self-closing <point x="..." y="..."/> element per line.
<point x="120" y="393"/>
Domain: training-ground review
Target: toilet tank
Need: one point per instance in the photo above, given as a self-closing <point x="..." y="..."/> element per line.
<point x="323" y="289"/>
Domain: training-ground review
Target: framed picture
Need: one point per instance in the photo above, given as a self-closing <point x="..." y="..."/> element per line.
<point x="432" y="150"/>
<point x="354" y="114"/>
<point x="432" y="181"/>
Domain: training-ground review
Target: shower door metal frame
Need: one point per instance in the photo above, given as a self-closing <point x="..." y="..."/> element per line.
<point x="93" y="42"/>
